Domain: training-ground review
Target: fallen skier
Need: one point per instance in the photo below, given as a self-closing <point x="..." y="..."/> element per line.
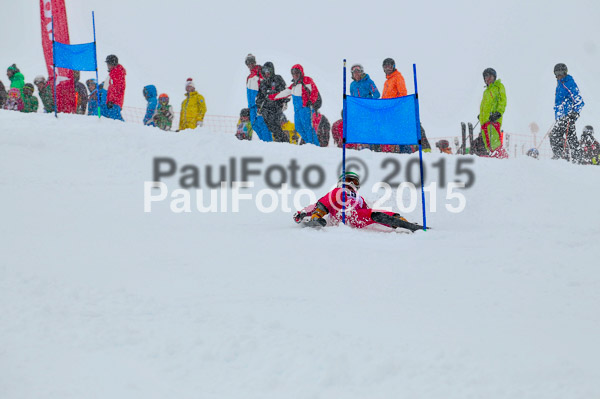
<point x="358" y="213"/>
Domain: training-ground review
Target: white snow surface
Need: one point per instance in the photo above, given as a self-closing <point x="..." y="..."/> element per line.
<point x="99" y="299"/>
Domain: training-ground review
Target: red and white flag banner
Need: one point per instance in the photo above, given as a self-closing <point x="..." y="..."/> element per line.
<point x="49" y="10"/>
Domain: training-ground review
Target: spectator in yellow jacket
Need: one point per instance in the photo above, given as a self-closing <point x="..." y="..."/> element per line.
<point x="193" y="108"/>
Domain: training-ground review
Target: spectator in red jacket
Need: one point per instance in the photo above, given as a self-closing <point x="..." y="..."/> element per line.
<point x="337" y="132"/>
<point x="115" y="87"/>
<point x="305" y="95"/>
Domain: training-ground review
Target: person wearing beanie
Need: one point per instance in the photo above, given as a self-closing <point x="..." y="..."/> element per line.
<point x="193" y="108"/>
<point x="253" y="83"/>
<point x="115" y="88"/>
<point x="14" y="101"/>
<point x="491" y="112"/>
<point x="567" y="107"/>
<point x="17" y="80"/>
<point x="30" y="102"/>
<point x="45" y="91"/>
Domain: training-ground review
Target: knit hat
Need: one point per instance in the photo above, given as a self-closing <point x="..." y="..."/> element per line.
<point x="14" y="93"/>
<point x="189" y="83"/>
<point x="39" y="79"/>
<point x="13" y="67"/>
<point x="28" y="86"/>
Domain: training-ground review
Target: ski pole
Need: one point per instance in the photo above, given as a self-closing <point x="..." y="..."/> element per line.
<point x="546" y="135"/>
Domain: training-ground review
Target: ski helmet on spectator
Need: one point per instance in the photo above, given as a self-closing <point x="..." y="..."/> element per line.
<point x="28" y="86"/>
<point x="389" y="61"/>
<point x="91" y="81"/>
<point x="163" y="98"/>
<point x="533" y="153"/>
<point x="489" y="72"/>
<point x="560" y="69"/>
<point x="112" y="60"/>
<point x="250" y="59"/>
<point x="357" y="68"/>
<point x="352" y="178"/>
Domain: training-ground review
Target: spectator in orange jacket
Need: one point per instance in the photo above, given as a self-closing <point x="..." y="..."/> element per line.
<point x="393" y="87"/>
<point x="115" y="87"/>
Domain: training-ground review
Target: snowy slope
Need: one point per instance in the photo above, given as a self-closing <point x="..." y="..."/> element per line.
<point x="100" y="299"/>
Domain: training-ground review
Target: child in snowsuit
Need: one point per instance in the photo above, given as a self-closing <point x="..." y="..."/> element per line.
<point x="163" y="118"/>
<point x="14" y="101"/>
<point x="589" y="147"/>
<point x="150" y="96"/>
<point x="244" y="126"/>
<point x="29" y="100"/>
<point x="358" y="213"/>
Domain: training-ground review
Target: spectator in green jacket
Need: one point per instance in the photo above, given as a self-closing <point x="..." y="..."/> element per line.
<point x="491" y="112"/>
<point x="29" y="100"/>
<point x="17" y="80"/>
<point x="45" y="92"/>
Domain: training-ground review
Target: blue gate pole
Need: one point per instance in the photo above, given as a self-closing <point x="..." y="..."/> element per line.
<point x="344" y="124"/>
<point x="418" y="127"/>
<point x="54" y="69"/>
<point x="96" y="56"/>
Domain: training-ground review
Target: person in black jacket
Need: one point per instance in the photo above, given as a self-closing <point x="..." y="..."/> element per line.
<point x="270" y="110"/>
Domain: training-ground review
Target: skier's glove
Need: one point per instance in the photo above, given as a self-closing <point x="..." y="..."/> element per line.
<point x="200" y="123"/>
<point x="109" y="105"/>
<point x="319" y="211"/>
<point x="298" y="216"/>
<point x="573" y="115"/>
<point x="494" y="116"/>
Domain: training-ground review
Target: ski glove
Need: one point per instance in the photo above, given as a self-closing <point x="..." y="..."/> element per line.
<point x="573" y="115"/>
<point x="200" y="123"/>
<point x="109" y="105"/>
<point x="298" y="216"/>
<point x="494" y="116"/>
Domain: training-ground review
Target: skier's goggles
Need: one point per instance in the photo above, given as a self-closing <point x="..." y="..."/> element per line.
<point x="352" y="181"/>
<point x="356" y="69"/>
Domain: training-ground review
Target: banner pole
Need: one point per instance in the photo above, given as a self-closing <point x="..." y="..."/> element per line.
<point x="54" y="68"/>
<point x="418" y="127"/>
<point x="96" y="59"/>
<point x="344" y="124"/>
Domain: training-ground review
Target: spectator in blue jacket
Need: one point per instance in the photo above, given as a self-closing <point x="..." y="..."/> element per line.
<point x="150" y="95"/>
<point x="567" y="107"/>
<point x="362" y="86"/>
<point x="92" y="86"/>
